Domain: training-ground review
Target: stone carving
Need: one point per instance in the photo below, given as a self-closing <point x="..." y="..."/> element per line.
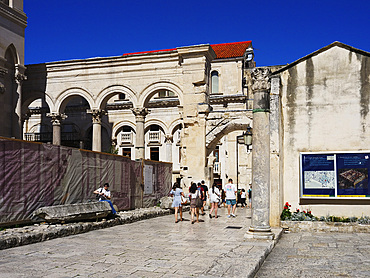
<point x="140" y="112"/>
<point x="168" y="138"/>
<point x="261" y="79"/>
<point x="97" y="115"/>
<point x="19" y="74"/>
<point x="56" y="118"/>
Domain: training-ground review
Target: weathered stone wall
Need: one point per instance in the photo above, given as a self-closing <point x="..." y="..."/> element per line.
<point x="325" y="107"/>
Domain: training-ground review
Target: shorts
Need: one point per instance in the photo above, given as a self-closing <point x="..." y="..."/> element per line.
<point x="230" y="202"/>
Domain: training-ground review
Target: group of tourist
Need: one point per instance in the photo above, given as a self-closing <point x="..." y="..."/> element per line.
<point x="198" y="196"/>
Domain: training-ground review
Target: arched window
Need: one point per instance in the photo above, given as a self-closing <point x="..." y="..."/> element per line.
<point x="214" y="82"/>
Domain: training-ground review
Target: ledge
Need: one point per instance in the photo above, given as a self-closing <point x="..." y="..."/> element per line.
<point x="321" y="226"/>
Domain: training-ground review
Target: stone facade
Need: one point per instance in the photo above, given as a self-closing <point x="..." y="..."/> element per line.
<point x="153" y="105"/>
<point x="187" y="106"/>
<point x="12" y="25"/>
<point x="324" y="107"/>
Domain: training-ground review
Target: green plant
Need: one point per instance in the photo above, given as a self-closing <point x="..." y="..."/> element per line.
<point x="286" y="214"/>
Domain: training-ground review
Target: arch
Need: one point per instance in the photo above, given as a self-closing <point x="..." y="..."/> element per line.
<point x="151" y="90"/>
<point x="112" y="90"/>
<point x="174" y="125"/>
<point x="33" y="97"/>
<point x="39" y="127"/>
<point x="121" y="124"/>
<point x="232" y="126"/>
<point x="11" y="50"/>
<point x="161" y="124"/>
<point x="63" y="99"/>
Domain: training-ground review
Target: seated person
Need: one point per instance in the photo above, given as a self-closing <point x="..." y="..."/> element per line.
<point x="104" y="195"/>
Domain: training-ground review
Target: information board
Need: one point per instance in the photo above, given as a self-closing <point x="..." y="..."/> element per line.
<point x="335" y="175"/>
<point x="148" y="179"/>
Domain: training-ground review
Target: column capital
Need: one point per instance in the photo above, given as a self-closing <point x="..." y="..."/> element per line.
<point x="19" y="73"/>
<point x="261" y="79"/>
<point x="56" y="118"/>
<point x="96" y="115"/>
<point x="140" y="112"/>
<point x="168" y="138"/>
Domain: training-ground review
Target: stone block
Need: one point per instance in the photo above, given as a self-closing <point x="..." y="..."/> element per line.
<point x="74" y="212"/>
<point x="166" y="202"/>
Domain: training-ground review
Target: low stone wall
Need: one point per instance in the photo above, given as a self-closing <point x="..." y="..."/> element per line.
<point x="321" y="226"/>
<point x="40" y="232"/>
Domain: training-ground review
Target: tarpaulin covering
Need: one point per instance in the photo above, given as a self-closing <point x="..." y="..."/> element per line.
<point x="34" y="175"/>
<point x="157" y="181"/>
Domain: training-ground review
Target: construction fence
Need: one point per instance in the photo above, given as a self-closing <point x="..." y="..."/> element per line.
<point x="34" y="175"/>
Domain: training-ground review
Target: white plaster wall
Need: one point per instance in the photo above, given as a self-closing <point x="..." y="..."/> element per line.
<point x="321" y="111"/>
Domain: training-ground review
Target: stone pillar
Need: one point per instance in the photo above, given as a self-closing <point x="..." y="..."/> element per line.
<point x="17" y="123"/>
<point x="168" y="140"/>
<point x="96" y="115"/>
<point x="140" y="114"/>
<point x="260" y="226"/>
<point x="276" y="192"/>
<point x="56" y="119"/>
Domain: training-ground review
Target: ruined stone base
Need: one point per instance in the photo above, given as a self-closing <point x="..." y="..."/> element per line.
<point x="74" y="212"/>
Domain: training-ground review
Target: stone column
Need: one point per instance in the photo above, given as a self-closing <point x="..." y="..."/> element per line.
<point x="168" y="140"/>
<point x="19" y="78"/>
<point x="97" y="115"/>
<point x="260" y="226"/>
<point x="140" y="114"/>
<point x="56" y="119"/>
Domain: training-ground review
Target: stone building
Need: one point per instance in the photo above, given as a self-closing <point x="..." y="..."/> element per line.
<point x="183" y="105"/>
<point x="190" y="105"/>
<point x="13" y="22"/>
<point x="320" y="110"/>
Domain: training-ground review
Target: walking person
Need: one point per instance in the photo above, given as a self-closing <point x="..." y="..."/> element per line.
<point x="205" y="195"/>
<point x="250" y="196"/>
<point x="223" y="197"/>
<point x="193" y="194"/>
<point x="214" y="198"/>
<point x="243" y="198"/>
<point x="230" y="190"/>
<point x="177" y="192"/>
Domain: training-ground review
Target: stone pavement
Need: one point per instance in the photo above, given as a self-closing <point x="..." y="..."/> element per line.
<point x="155" y="247"/>
<point x="310" y="254"/>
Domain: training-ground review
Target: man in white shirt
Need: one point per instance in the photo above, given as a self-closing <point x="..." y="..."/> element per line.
<point x="230" y="190"/>
<point x="104" y="195"/>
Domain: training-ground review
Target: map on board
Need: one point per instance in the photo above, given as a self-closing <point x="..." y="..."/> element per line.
<point x="319" y="179"/>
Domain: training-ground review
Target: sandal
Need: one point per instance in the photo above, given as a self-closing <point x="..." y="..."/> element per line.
<point x="192" y="222"/>
<point x="176" y="221"/>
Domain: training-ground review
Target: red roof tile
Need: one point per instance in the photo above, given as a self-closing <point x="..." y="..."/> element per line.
<point x="222" y="50"/>
<point x="230" y="50"/>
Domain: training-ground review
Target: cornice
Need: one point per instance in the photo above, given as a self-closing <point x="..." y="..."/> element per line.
<point x="14" y="15"/>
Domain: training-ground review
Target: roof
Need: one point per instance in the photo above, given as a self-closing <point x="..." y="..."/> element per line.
<point x="230" y="50"/>
<point x="317" y="52"/>
<point x="222" y="50"/>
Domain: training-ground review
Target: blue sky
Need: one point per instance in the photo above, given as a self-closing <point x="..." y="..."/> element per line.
<point x="281" y="31"/>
